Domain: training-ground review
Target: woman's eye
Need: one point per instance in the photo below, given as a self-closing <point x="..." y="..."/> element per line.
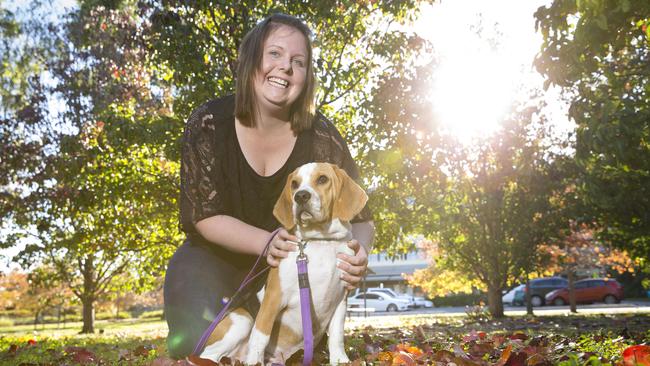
<point x="294" y="184"/>
<point x="299" y="63"/>
<point x="274" y="53"/>
<point x="322" y="179"/>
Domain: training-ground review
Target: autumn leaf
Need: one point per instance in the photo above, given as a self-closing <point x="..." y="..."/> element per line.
<point x="637" y="356"/>
<point x="402" y="358"/>
<point x="81" y="355"/>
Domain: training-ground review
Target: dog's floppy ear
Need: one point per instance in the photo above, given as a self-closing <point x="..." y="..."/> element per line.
<point x="351" y="198"/>
<point x="283" y="209"/>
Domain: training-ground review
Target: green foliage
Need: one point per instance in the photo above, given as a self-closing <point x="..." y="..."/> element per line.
<point x="460" y="299"/>
<point x="598" y="52"/>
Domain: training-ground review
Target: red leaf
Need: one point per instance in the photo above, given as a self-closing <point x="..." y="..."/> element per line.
<point x="637" y="356"/>
<point x="517" y="359"/>
<point x="81" y="355"/>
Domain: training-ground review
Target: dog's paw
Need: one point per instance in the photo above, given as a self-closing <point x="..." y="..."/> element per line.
<point x="339" y="359"/>
<point x="254" y="359"/>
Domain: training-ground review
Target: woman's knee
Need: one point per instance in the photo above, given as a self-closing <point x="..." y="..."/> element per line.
<point x="181" y="343"/>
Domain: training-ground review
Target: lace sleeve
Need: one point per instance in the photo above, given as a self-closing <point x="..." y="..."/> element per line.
<point x="330" y="147"/>
<point x="200" y="194"/>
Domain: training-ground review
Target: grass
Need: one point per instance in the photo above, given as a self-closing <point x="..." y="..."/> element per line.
<point x="141" y="341"/>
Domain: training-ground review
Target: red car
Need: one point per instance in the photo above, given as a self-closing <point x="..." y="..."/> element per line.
<point x="589" y="290"/>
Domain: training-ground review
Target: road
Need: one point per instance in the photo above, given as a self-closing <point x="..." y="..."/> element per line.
<point x="625" y="307"/>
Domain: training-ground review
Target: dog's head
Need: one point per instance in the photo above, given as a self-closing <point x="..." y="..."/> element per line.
<point x="317" y="193"/>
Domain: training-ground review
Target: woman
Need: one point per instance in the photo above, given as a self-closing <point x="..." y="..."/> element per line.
<point x="237" y="153"/>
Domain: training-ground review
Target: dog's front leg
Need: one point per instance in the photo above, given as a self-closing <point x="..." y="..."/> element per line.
<point x="336" y="334"/>
<point x="269" y="310"/>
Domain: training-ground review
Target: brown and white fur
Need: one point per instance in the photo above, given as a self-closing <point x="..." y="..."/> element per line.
<point x="316" y="205"/>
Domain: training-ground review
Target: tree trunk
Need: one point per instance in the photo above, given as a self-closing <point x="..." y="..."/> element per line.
<point x="572" y="292"/>
<point x="529" y="304"/>
<point x="38" y="313"/>
<point x="88" y="296"/>
<point x="88" y="315"/>
<point x="495" y="303"/>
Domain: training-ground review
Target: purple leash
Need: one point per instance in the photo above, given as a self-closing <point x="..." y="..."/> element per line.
<point x="305" y="305"/>
<point x="249" y="278"/>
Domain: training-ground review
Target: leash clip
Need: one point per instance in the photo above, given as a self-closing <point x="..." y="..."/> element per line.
<point x="301" y="254"/>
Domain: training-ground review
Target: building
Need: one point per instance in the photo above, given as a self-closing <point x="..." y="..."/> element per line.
<point x="388" y="272"/>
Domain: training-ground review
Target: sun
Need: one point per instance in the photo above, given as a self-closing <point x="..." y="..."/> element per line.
<point x="485" y="52"/>
<point x="471" y="95"/>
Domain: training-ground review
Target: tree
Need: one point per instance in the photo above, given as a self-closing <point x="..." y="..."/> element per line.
<point x="598" y="52"/>
<point x="104" y="202"/>
<point x="498" y="206"/>
<point x="578" y="253"/>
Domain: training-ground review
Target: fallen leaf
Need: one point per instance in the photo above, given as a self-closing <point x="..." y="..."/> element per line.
<point x="13" y="349"/>
<point x="517" y="359"/>
<point x="402" y="358"/>
<point x="637" y="356"/>
<point x="81" y="355"/>
<point x="504" y="356"/>
<point x="201" y="361"/>
<point x="385" y="356"/>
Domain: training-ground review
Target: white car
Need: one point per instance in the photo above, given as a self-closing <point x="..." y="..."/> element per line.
<point x="391" y="292"/>
<point x="378" y="301"/>
<point x="422" y="302"/>
<point x="510" y="295"/>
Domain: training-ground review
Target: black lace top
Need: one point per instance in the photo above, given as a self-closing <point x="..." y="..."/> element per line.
<point x="216" y="178"/>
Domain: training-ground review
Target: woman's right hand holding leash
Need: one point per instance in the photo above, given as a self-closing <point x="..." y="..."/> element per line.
<point x="280" y="246"/>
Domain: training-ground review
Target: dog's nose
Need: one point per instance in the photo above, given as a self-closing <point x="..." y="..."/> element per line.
<point x="302" y="196"/>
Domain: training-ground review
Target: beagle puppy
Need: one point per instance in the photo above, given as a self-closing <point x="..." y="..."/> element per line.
<point x="316" y="205"/>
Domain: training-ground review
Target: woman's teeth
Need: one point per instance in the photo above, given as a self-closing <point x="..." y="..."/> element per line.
<point x="279" y="82"/>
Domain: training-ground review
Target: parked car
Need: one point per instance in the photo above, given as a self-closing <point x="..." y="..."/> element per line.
<point x="589" y="290"/>
<point x="378" y="301"/>
<point x="391" y="292"/>
<point x="539" y="287"/>
<point x="422" y="302"/>
<point x="509" y="296"/>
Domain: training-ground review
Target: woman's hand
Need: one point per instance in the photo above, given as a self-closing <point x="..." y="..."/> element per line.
<point x="353" y="267"/>
<point x="280" y="247"/>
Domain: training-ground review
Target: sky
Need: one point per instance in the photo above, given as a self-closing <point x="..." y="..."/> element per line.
<point x="486" y="50"/>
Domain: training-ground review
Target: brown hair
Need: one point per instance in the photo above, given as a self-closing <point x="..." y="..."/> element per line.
<point x="250" y="58"/>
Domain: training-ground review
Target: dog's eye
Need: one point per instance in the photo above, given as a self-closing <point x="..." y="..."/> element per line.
<point x="294" y="184"/>
<point x="322" y="179"/>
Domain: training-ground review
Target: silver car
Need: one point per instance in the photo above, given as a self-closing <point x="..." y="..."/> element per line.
<point x="377" y="301"/>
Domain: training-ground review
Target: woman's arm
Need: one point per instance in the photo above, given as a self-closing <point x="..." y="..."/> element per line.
<point x="233" y="234"/>
<point x="355" y="266"/>
<point x="364" y="232"/>
<point x="238" y="236"/>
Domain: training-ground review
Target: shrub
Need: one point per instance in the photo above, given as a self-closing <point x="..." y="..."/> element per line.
<point x="157" y="314"/>
<point x="462" y="299"/>
<point x="111" y="315"/>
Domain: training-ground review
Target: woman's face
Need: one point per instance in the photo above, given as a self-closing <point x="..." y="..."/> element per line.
<point x="282" y="74"/>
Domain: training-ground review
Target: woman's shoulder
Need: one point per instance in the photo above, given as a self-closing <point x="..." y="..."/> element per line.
<point x="326" y="131"/>
<point x="212" y="113"/>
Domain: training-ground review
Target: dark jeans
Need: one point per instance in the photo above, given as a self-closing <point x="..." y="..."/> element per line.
<point x="198" y="278"/>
